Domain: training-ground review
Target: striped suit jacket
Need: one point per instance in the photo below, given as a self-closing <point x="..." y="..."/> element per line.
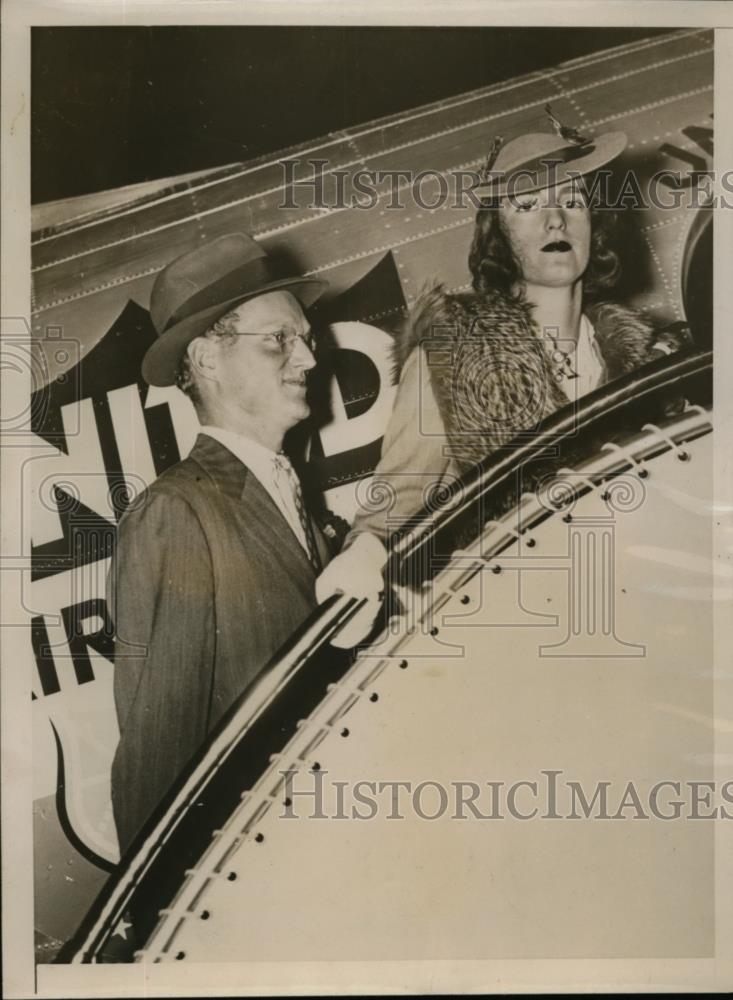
<point x="208" y="580"/>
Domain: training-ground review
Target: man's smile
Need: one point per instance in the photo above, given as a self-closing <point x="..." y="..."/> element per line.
<point x="296" y="383"/>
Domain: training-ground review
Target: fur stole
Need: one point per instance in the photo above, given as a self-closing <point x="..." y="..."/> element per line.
<point x="490" y="372"/>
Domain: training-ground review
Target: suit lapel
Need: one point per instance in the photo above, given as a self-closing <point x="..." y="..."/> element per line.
<point x="223" y="467"/>
<point x="254" y="503"/>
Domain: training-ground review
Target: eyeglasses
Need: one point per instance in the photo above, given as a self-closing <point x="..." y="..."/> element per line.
<point x="285" y="339"/>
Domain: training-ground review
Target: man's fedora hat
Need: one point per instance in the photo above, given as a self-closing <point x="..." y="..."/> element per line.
<point x="539" y="160"/>
<point x="201" y="286"/>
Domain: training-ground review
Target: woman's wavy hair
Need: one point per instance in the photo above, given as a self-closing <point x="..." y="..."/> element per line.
<point x="494" y="265"/>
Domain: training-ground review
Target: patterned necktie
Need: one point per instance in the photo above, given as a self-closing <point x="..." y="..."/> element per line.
<point x="289" y="488"/>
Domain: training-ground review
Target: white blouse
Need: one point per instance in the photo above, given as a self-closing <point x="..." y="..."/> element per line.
<point x="586" y="361"/>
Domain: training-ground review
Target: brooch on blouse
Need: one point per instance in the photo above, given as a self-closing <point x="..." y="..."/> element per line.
<point x="562" y="362"/>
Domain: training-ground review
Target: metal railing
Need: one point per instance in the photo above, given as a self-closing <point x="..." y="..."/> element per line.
<point x="624" y="404"/>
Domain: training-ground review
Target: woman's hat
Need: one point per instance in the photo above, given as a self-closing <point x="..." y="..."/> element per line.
<point x="201" y="286"/>
<point x="539" y="160"/>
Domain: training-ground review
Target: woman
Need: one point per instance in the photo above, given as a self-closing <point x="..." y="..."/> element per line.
<point x="478" y="369"/>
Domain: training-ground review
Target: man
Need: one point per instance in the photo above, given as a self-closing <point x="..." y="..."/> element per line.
<point x="216" y="562"/>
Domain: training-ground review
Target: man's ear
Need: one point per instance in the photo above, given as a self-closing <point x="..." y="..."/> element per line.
<point x="202" y="355"/>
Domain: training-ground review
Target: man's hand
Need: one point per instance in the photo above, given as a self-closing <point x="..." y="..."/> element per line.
<point x="356" y="572"/>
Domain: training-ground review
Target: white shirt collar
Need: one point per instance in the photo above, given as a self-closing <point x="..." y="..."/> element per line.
<point x="254" y="455"/>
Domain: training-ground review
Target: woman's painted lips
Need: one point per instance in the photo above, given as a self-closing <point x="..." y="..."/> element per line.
<point x="557" y="246"/>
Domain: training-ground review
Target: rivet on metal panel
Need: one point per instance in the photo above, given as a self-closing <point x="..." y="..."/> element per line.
<point x="259" y="838"/>
<point x="205" y="914"/>
<point x="403" y="664"/>
<point x="682" y="455"/>
<point x="496" y="569"/>
<point x="344" y="731"/>
<point x="465" y="599"/>
<point x="374" y="696"/>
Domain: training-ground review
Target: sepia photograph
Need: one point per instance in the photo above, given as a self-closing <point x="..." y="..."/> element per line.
<point x="367" y="601"/>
